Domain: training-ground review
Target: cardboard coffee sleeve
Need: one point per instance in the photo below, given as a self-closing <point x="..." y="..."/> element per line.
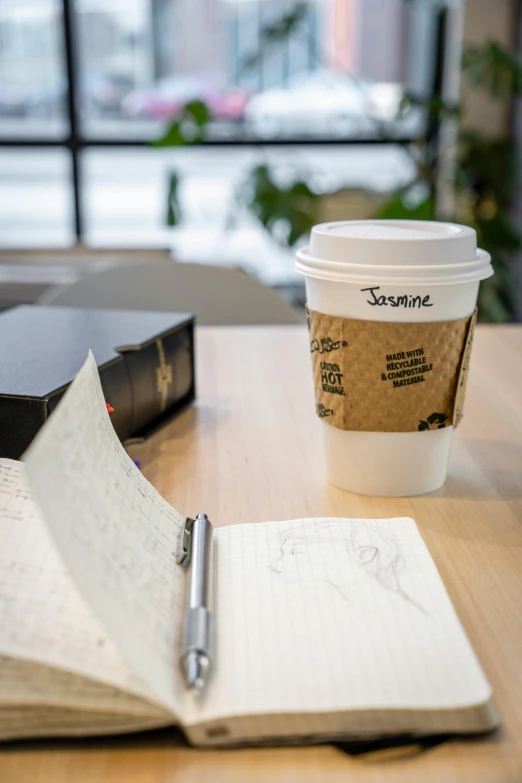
<point x="389" y="377"/>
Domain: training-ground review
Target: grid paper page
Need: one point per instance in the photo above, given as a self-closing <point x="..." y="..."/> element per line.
<point x="334" y="614"/>
<point x="42" y="617"/>
<point x="115" y="533"/>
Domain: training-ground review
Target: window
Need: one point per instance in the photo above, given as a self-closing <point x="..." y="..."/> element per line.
<point x="267" y="69"/>
<point x="33" y="84"/>
<point x="36" y="199"/>
<point x="125" y="196"/>
<point x="87" y="84"/>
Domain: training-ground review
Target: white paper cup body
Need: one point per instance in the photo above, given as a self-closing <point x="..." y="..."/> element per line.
<point x="391" y="463"/>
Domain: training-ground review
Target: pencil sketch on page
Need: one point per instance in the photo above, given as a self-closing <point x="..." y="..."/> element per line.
<point x="329" y="553"/>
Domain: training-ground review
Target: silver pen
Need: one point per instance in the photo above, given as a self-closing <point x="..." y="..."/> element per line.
<point x="196" y="556"/>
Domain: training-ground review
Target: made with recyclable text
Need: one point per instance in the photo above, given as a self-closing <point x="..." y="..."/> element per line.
<point x="406" y="367"/>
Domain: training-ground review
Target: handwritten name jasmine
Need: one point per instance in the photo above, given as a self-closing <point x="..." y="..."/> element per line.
<point x="403" y="300"/>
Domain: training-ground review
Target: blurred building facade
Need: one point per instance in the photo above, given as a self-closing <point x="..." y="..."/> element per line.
<point x="147" y="40"/>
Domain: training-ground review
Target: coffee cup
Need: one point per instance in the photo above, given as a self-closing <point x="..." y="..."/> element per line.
<point x="399" y="272"/>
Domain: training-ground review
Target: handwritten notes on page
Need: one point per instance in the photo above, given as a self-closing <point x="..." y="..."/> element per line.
<point x="42" y="617"/>
<point x="115" y="533"/>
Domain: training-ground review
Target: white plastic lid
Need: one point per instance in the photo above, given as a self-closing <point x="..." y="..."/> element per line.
<point x="409" y="251"/>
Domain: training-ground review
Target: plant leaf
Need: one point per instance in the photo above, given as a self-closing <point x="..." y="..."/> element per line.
<point x="287" y="213"/>
<point x="396" y="209"/>
<point x="188" y="127"/>
<point x="494" y="68"/>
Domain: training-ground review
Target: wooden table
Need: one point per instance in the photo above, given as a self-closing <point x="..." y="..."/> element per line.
<point x="250" y="451"/>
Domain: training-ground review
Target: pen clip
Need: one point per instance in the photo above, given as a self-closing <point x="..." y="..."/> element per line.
<point x="184" y="544"/>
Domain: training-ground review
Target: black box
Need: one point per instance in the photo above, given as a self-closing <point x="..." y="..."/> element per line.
<point x="145" y="360"/>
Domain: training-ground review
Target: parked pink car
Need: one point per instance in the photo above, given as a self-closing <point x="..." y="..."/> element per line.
<point x="165" y="99"/>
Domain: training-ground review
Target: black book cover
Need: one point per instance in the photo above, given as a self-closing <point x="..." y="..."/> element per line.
<point x="145" y="360"/>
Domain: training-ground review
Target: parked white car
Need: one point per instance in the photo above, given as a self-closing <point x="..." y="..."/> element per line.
<point x="327" y="104"/>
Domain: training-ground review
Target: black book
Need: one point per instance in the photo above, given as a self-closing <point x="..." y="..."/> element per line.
<point x="145" y="361"/>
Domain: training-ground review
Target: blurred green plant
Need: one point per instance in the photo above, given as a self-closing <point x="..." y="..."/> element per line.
<point x="188" y="127"/>
<point x="493" y="68"/>
<point x="484" y="176"/>
<point x="286" y="212"/>
<point x="486" y="180"/>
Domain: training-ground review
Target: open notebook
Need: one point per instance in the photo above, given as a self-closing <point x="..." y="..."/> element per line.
<point x="325" y="627"/>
